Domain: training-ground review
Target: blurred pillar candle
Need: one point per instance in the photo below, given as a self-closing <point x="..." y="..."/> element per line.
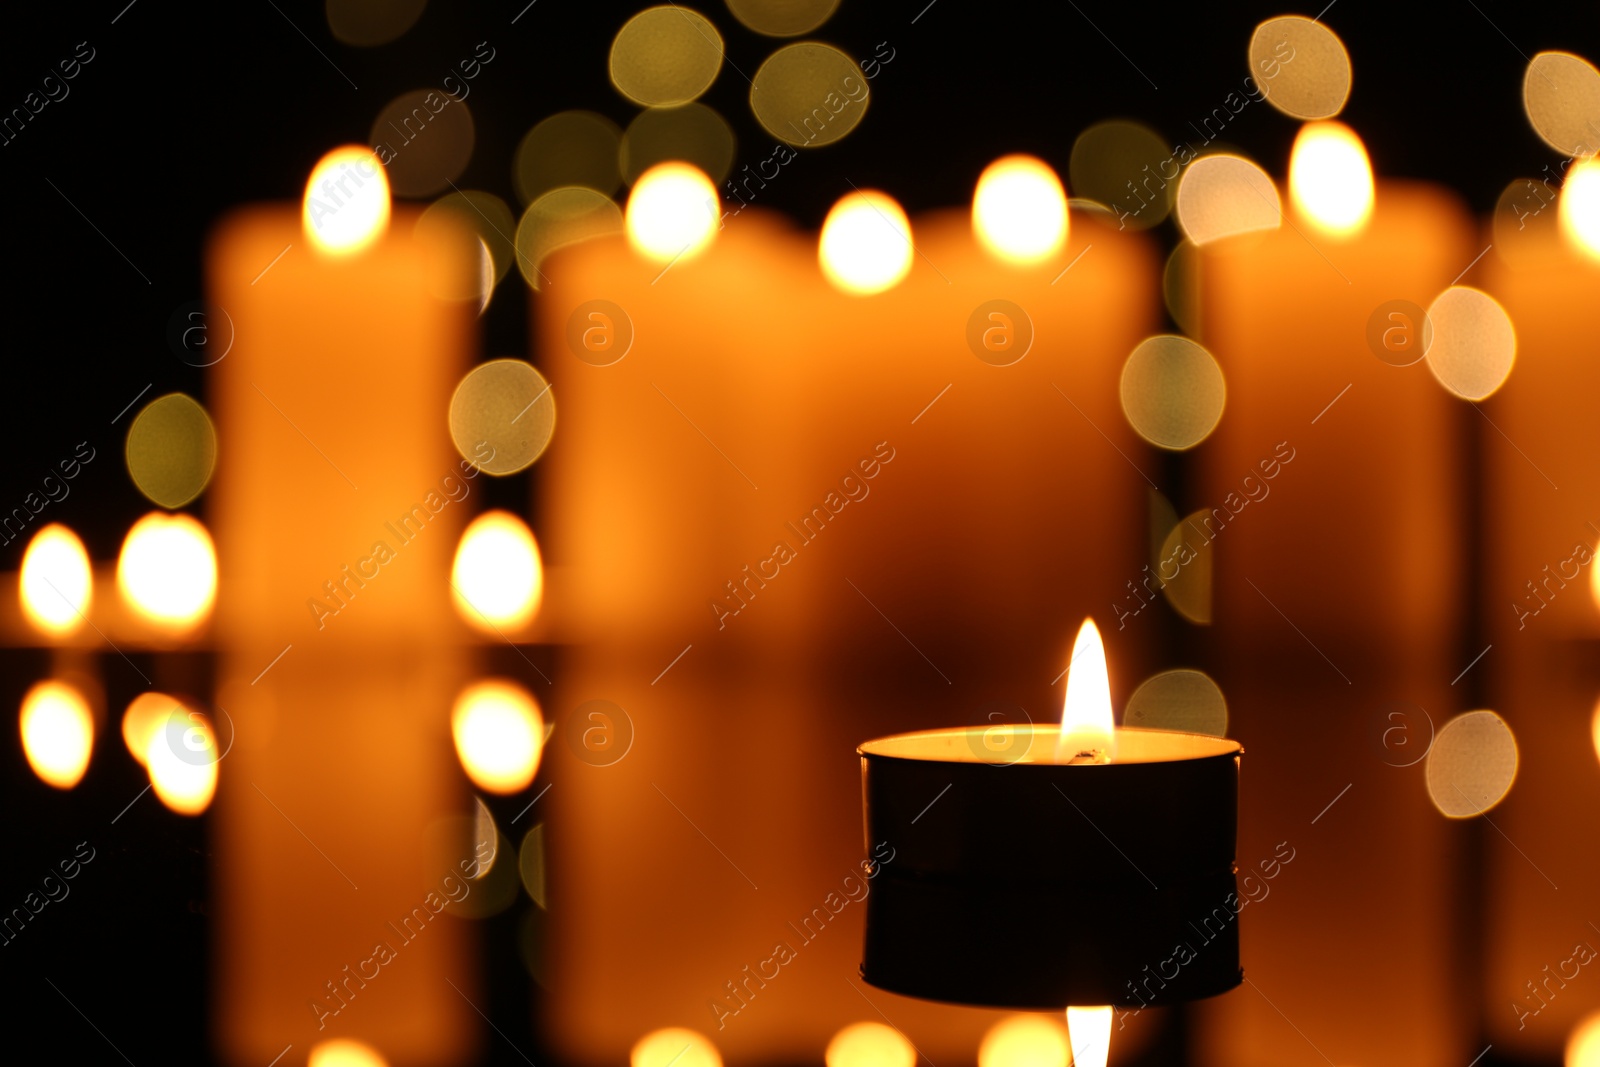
<point x="787" y="517"/>
<point x="1540" y="603"/>
<point x="1329" y="497"/>
<point x="336" y="512"/>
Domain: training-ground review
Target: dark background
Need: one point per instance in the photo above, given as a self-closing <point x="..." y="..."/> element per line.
<point x="188" y="110"/>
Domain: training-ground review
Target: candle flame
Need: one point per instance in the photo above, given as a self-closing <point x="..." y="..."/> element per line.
<point x="341" y="1052"/>
<point x="1090" y="1030"/>
<point x="498" y="733"/>
<point x="57" y="733"/>
<point x="674" y="1046"/>
<point x="497" y="578"/>
<point x="167" y="570"/>
<point x="181" y="756"/>
<point x="1019" y="210"/>
<point x="869" y="1044"/>
<point x="866" y="243"/>
<point x="1580" y="206"/>
<point x="56" y="584"/>
<point x="346" y="205"/>
<point x="1025" y="1040"/>
<point x="1088" y="731"/>
<point x="1330" y="178"/>
<point x="673" y="213"/>
<point x="146" y="714"/>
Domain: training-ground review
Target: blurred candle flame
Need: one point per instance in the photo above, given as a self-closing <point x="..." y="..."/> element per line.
<point x="865" y="246"/>
<point x="1019" y="210"/>
<point x="1330" y="178"/>
<point x="498" y="734"/>
<point x="341" y="1052"/>
<point x="1088" y="731"/>
<point x="181" y="756"/>
<point x="498" y="577"/>
<point x="1090" y="1031"/>
<point x="1580" y="206"/>
<point x="56" y="585"/>
<point x="57" y="733"/>
<point x="673" y="213"/>
<point x="167" y="570"/>
<point x="346" y="205"/>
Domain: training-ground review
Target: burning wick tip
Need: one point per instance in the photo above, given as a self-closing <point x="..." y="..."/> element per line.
<point x="1089" y="756"/>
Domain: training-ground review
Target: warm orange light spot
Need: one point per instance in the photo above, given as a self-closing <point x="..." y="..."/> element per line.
<point x="1090" y="1029"/>
<point x="674" y="1047"/>
<point x="167" y="571"/>
<point x="1583" y="1045"/>
<point x="56" y="585"/>
<point x="1019" y="210"/>
<point x="673" y="212"/>
<point x="346" y="206"/>
<point x="146" y="716"/>
<point x="343" y="1053"/>
<point x="1088" y="731"/>
<point x="498" y="732"/>
<point x="1330" y="178"/>
<point x="498" y="578"/>
<point x="866" y="243"/>
<point x="1580" y="206"/>
<point x="1594" y="730"/>
<point x="869" y="1045"/>
<point x="57" y="733"/>
<point x="181" y="756"/>
<point x="1024" y="1041"/>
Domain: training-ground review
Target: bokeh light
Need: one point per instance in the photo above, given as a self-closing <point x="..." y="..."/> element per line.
<point x="369" y="23"/>
<point x="346" y="206"/>
<point x="1472" y="764"/>
<point x="167" y="571"/>
<point x="869" y="1044"/>
<point x="498" y="579"/>
<point x="674" y="1047"/>
<point x="1330" y="179"/>
<point x="1223" y="195"/>
<point x="1594" y="729"/>
<point x="502" y="416"/>
<point x="1561" y="96"/>
<point x="57" y="733"/>
<point x="1189" y="555"/>
<point x="782" y="18"/>
<point x="1583" y="1044"/>
<point x="56" y="586"/>
<point x="1580" y="207"/>
<point x="691" y="133"/>
<point x="1172" y="392"/>
<point x="1126" y="167"/>
<point x="485" y="215"/>
<point x="1025" y="1040"/>
<point x="498" y="733"/>
<point x="568" y="148"/>
<point x="673" y="213"/>
<point x="181" y="758"/>
<point x="530" y="865"/>
<point x="559" y="218"/>
<point x="809" y="94"/>
<point x="426" y="137"/>
<point x="1184" y="700"/>
<point x="665" y="55"/>
<point x="1019" y="210"/>
<point x="1470" y="344"/>
<point x="1301" y="67"/>
<point x="171" y="450"/>
<point x="341" y="1052"/>
<point x="147" y="715"/>
<point x="866" y="246"/>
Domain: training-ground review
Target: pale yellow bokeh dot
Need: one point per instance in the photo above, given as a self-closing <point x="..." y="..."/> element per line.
<point x="691" y="133"/>
<point x="1580" y="207"/>
<point x="497" y="580"/>
<point x="809" y="94"/>
<point x="1561" y="95"/>
<point x="568" y="148"/>
<point x="341" y="1052"/>
<point x="427" y="136"/>
<point x="782" y="18"/>
<point x="498" y="733"/>
<point x="665" y="55"/>
<point x="1186" y="548"/>
<point x="1019" y="210"/>
<point x="346" y="206"/>
<point x="1180" y="287"/>
<point x="673" y="213"/>
<point x="484" y="215"/>
<point x="368" y="23"/>
<point x="1223" y="195"/>
<point x="1025" y="1041"/>
<point x="674" y="1047"/>
<point x="1472" y="764"/>
<point x="469" y="246"/>
<point x="865" y="246"/>
<point x="56" y="586"/>
<point x="560" y="218"/>
<point x="167" y="571"/>
<point x="1473" y="344"/>
<point x="1301" y="66"/>
<point x="869" y="1044"/>
<point x="1128" y="168"/>
<point x="1330" y="178"/>
<point x="530" y="865"/>
<point x="57" y="733"/>
<point x="1172" y="392"/>
<point x="1583" y="1044"/>
<point x="171" y="450"/>
<point x="502" y="416"/>
<point x="1184" y="700"/>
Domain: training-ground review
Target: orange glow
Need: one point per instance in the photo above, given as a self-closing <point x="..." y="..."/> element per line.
<point x="346" y="206"/>
<point x="673" y="212"/>
<point x="56" y="585"/>
<point x="1594" y="730"/>
<point x="866" y="243"/>
<point x="498" y="733"/>
<point x="1583" y="1045"/>
<point x="1024" y="1041"/>
<point x="343" y="1053"/>
<point x="1090" y="1029"/>
<point x="498" y="578"/>
<point x="1330" y="178"/>
<point x="1019" y="210"/>
<point x="869" y="1045"/>
<point x="57" y="733"/>
<point x="1580" y="206"/>
<point x="167" y="571"/>
<point x="674" y="1047"/>
<point x="181" y="756"/>
<point x="146" y="715"/>
<point x="1087" y="725"/>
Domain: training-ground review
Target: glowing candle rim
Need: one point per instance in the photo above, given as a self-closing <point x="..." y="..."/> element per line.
<point x="1137" y="746"/>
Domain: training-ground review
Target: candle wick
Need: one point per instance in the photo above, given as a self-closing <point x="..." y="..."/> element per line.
<point x="1089" y="756"/>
